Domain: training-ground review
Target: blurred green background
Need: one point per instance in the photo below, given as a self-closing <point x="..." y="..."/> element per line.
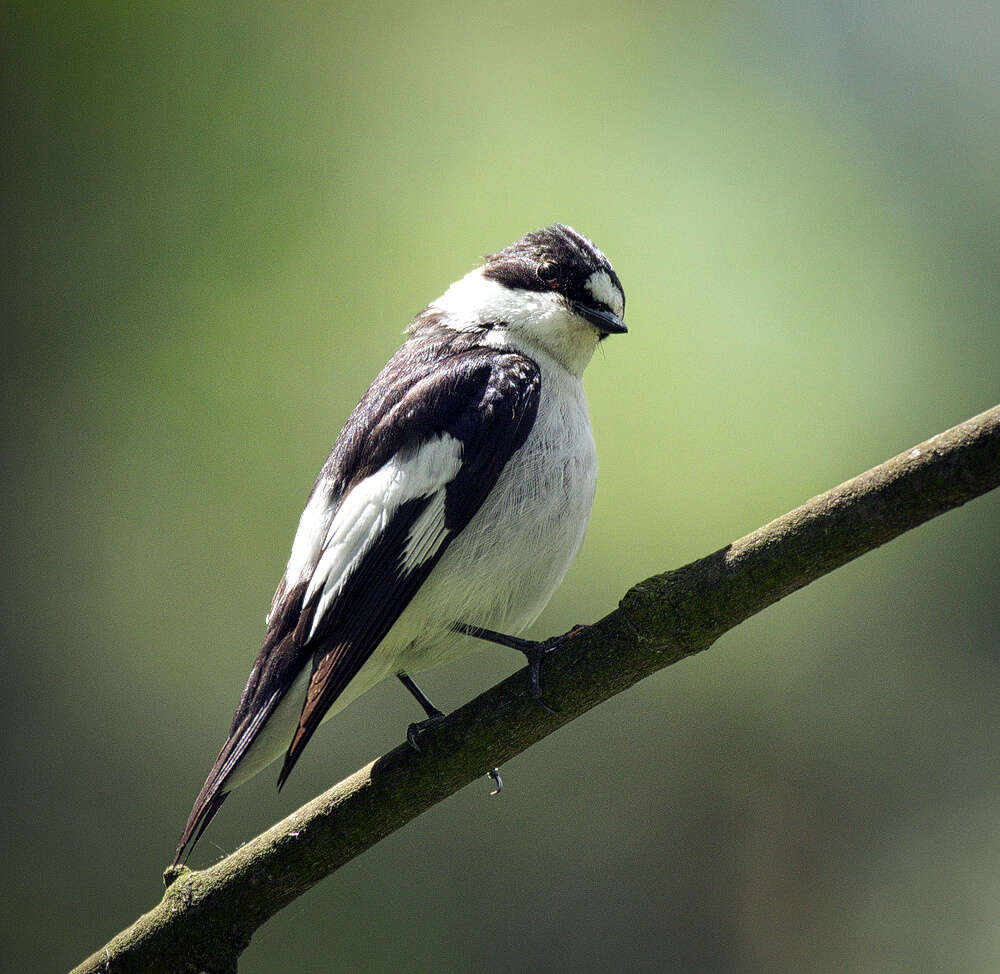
<point x="218" y="221"/>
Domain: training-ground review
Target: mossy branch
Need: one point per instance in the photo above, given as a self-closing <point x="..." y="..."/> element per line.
<point x="206" y="917"/>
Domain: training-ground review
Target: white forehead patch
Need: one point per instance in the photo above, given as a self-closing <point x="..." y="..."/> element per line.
<point x="602" y="289"/>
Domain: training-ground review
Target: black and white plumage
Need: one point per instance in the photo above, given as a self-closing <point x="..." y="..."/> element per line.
<point x="457" y="494"/>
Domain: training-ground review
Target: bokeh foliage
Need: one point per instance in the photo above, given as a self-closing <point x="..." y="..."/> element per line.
<point x="218" y="220"/>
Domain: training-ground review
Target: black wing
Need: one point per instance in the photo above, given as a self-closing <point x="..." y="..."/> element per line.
<point x="465" y="415"/>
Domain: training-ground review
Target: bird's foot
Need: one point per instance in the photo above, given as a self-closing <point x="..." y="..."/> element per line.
<point x="417" y="728"/>
<point x="534" y="651"/>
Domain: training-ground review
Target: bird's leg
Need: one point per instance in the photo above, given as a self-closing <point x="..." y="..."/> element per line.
<point x="534" y="651"/>
<point x="434" y="716"/>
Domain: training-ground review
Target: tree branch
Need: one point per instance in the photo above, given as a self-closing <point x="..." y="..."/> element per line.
<point x="206" y="918"/>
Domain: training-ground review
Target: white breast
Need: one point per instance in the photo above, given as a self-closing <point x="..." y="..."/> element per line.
<point x="501" y="571"/>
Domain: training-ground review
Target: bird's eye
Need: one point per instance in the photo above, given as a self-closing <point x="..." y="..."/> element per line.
<point x="548" y="271"/>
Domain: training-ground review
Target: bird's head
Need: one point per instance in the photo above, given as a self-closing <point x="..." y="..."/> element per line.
<point x="551" y="291"/>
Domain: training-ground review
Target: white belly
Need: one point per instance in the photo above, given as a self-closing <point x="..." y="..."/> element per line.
<point x="501" y="571"/>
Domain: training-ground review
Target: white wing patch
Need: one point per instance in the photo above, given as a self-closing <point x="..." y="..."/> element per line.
<point x="313" y="528"/>
<point x="602" y="289"/>
<point x="427" y="533"/>
<point x="370" y="505"/>
<point x="308" y="544"/>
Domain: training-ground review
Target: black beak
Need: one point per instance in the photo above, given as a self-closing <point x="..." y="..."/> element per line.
<point x="606" y="322"/>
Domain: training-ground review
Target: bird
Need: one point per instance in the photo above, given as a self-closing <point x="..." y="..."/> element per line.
<point x="449" y="509"/>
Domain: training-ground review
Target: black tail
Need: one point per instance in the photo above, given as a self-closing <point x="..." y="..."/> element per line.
<point x="278" y="664"/>
<point x="207" y="804"/>
<point x="213" y="793"/>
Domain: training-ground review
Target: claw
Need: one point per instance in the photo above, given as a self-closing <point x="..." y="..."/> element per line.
<point x="417" y="728"/>
<point x="494" y="773"/>
<point x="535" y="656"/>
